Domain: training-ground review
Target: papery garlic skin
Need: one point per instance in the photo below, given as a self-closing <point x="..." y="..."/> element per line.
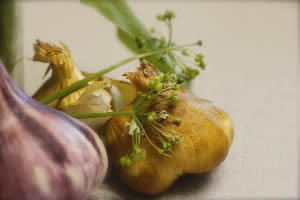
<point x="44" y="154"/>
<point x="95" y="99"/>
<point x="64" y="73"/>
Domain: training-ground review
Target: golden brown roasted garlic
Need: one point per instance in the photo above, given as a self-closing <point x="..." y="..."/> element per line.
<point x="207" y="135"/>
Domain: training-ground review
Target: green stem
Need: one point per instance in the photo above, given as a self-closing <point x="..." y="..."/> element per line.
<point x="154" y="128"/>
<point x="169" y="24"/>
<point x="77" y="85"/>
<point x="7" y="33"/>
<point x="141" y="127"/>
<point x="149" y="140"/>
<point x="157" y="102"/>
<point x="142" y="99"/>
<point x="145" y="121"/>
<point x="96" y="115"/>
<point x="173" y="61"/>
<point x="146" y="104"/>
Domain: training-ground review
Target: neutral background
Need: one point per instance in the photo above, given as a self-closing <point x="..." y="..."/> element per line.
<point x="252" y="51"/>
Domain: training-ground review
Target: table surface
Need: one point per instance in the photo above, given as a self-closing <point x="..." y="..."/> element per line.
<point x="252" y="51"/>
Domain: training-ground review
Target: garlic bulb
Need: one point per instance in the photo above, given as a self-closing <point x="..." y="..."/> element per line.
<point x="207" y="134"/>
<point x="64" y="72"/>
<point x="96" y="97"/>
<point x="44" y="154"/>
<point x="92" y="98"/>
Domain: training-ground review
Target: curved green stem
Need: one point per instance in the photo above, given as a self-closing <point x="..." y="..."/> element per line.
<point x="157" y="102"/>
<point x="97" y="115"/>
<point x="162" y="127"/>
<point x="145" y="121"/>
<point x="146" y="104"/>
<point x="149" y="140"/>
<point x="141" y="99"/>
<point x="141" y="127"/>
<point x="169" y="24"/>
<point x="77" y="85"/>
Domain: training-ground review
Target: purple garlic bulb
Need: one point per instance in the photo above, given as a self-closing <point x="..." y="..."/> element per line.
<point x="45" y="154"/>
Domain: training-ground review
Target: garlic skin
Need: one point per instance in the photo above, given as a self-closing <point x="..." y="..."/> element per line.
<point x="64" y="72"/>
<point x="207" y="135"/>
<point x="92" y="98"/>
<point x="45" y="154"/>
<point x="96" y="97"/>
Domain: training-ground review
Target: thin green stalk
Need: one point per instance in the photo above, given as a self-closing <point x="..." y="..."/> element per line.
<point x="154" y="130"/>
<point x="172" y="60"/>
<point x="8" y="33"/>
<point x="97" y="115"/>
<point x="162" y="100"/>
<point x="149" y="140"/>
<point x="141" y="99"/>
<point x="163" y="127"/>
<point x="169" y="24"/>
<point x="138" y="136"/>
<point x="157" y="148"/>
<point x="77" y="85"/>
<point x="146" y="104"/>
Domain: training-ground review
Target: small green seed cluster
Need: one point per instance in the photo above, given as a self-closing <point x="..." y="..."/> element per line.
<point x="189" y="73"/>
<point x="165" y="81"/>
<point x="142" y="119"/>
<point x="199" y="59"/>
<point x="167" y="15"/>
<point x="184" y="59"/>
<point x="137" y="154"/>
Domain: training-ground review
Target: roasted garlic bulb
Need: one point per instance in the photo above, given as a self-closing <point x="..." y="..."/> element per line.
<point x="207" y="134"/>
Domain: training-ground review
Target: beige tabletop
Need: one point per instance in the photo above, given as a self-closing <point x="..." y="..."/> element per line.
<point x="252" y="51"/>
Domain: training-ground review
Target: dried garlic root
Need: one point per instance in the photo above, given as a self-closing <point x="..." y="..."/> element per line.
<point x="63" y="74"/>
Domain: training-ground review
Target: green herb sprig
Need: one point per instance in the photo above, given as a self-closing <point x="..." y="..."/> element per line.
<point x="162" y="87"/>
<point x="134" y="35"/>
<point x="8" y="34"/>
<point x="79" y="84"/>
<point x="186" y="60"/>
<point x="167" y="51"/>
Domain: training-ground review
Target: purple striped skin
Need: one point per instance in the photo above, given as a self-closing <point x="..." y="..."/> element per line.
<point x="44" y="154"/>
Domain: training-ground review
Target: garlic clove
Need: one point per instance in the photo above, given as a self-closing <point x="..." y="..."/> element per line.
<point x="96" y="99"/>
<point x="124" y="94"/>
<point x="45" y="154"/>
<point x="101" y="95"/>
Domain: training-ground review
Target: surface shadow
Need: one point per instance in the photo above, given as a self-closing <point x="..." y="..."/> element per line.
<point x="190" y="183"/>
<point x="185" y="185"/>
